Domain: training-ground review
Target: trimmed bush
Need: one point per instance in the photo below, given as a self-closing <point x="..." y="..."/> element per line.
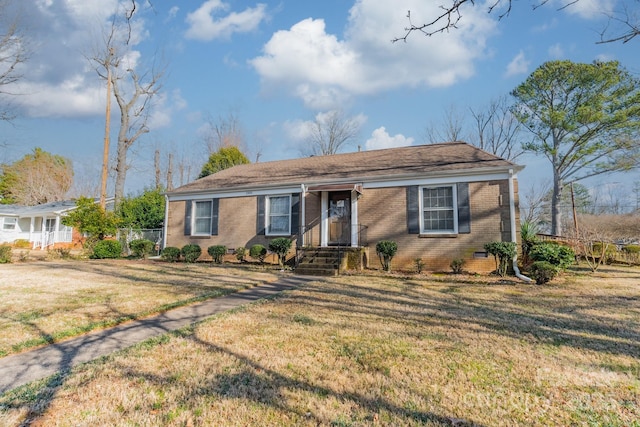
<point x="503" y="253"/>
<point x="142" y="248"/>
<point x="217" y="253"/>
<point x="107" y="249"/>
<point x="280" y="246"/>
<point x="171" y="254"/>
<point x="386" y="250"/>
<point x="22" y="244"/>
<point x="5" y="254"/>
<point x="191" y="252"/>
<point x="258" y="252"/>
<point x="241" y="252"/>
<point x="558" y="255"/>
<point x="543" y="272"/>
<point x="457" y="265"/>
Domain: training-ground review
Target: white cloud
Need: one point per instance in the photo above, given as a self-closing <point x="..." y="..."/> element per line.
<point x="518" y="65"/>
<point x="324" y="70"/>
<point x="381" y="139"/>
<point x="556" y="51"/>
<point x="588" y="9"/>
<point x="165" y="105"/>
<point x="59" y="80"/>
<point x="205" y="24"/>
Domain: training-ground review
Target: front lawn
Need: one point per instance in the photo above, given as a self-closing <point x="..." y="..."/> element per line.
<point x="376" y="350"/>
<point x="44" y="302"/>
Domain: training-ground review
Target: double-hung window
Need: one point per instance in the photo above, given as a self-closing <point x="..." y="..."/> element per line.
<point x="202" y="218"/>
<point x="278" y="215"/>
<point x="9" y="223"/>
<point x="439" y="210"/>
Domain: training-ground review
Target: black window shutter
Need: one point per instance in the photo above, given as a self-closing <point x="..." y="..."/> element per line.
<point x="464" y="208"/>
<point x="295" y="213"/>
<point x="187" y="217"/>
<point x="260" y="222"/>
<point x="413" y="208"/>
<point x="215" y="205"/>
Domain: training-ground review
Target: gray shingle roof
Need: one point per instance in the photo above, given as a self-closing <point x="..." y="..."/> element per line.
<point x="359" y="166"/>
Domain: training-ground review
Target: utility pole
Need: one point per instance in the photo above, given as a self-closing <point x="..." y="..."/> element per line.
<point x="107" y="127"/>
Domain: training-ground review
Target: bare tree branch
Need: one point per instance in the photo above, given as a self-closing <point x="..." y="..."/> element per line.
<point x="451" y="16"/>
<point x="330" y="132"/>
<point x="13" y="54"/>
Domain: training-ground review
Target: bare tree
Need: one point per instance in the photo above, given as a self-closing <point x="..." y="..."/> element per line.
<point x="132" y="91"/>
<point x="498" y="130"/>
<point x="330" y="132"/>
<point x="624" y="25"/>
<point x="13" y="53"/>
<point x="533" y="206"/>
<point x="224" y="132"/>
<point x="495" y="129"/>
<point x="451" y="130"/>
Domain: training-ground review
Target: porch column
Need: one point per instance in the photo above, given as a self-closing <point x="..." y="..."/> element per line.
<point x="355" y="232"/>
<point x="302" y="226"/>
<point x="56" y="231"/>
<point x="31" y="228"/>
<point x="324" y="219"/>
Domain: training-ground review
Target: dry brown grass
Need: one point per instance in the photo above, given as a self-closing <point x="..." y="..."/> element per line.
<point x="376" y="350"/>
<point x="48" y="301"/>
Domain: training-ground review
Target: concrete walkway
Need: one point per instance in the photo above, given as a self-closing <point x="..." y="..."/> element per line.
<point x="43" y="362"/>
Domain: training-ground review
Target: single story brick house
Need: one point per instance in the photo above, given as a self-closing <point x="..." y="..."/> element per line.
<point x="439" y="202"/>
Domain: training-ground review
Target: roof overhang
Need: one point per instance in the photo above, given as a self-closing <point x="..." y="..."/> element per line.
<point x="335" y="187"/>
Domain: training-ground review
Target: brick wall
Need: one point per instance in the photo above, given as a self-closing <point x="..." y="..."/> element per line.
<point x="383" y="213"/>
<point x="388" y="221"/>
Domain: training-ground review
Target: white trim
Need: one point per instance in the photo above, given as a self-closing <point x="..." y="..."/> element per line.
<point x="436" y="181"/>
<point x="267" y="215"/>
<point x="165" y="222"/>
<point x="454" y="195"/>
<point x="193" y="217"/>
<point x="203" y="195"/>
<point x="303" y="215"/>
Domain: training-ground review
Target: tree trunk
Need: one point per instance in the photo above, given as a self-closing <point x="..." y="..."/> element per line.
<point x="556" y="213"/>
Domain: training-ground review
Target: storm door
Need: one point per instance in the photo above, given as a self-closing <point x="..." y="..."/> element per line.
<point x="340" y="218"/>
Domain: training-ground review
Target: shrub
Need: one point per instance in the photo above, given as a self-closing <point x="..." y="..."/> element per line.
<point x="217" y="253"/>
<point x="632" y="253"/>
<point x="142" y="248"/>
<point x="386" y="250"/>
<point x="107" y="249"/>
<point x="503" y="253"/>
<point x="21" y="244"/>
<point x="5" y="254"/>
<point x="191" y="252"/>
<point x="529" y="238"/>
<point x="280" y="247"/>
<point x="419" y="264"/>
<point x="258" y="252"/>
<point x="457" y="265"/>
<point x="171" y="254"/>
<point x="241" y="252"/>
<point x="543" y="272"/>
<point x="557" y="255"/>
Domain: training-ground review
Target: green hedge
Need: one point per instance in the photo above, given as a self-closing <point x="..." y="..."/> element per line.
<point x="107" y="249"/>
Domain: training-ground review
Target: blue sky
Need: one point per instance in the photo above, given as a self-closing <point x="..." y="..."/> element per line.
<point x="277" y="65"/>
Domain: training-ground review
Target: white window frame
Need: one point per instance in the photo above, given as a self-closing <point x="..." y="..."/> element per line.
<point x="267" y="215"/>
<point x="13" y="222"/>
<point x="454" y="196"/>
<point x="195" y="217"/>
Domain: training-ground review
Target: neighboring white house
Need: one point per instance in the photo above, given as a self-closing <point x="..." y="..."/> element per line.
<point x="40" y="225"/>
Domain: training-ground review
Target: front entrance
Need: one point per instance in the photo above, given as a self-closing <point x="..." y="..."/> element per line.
<point x="340" y="218"/>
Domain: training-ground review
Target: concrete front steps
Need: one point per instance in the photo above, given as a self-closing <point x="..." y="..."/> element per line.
<point x="328" y="261"/>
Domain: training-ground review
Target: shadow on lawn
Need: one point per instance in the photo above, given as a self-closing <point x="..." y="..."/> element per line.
<point x="534" y="316"/>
